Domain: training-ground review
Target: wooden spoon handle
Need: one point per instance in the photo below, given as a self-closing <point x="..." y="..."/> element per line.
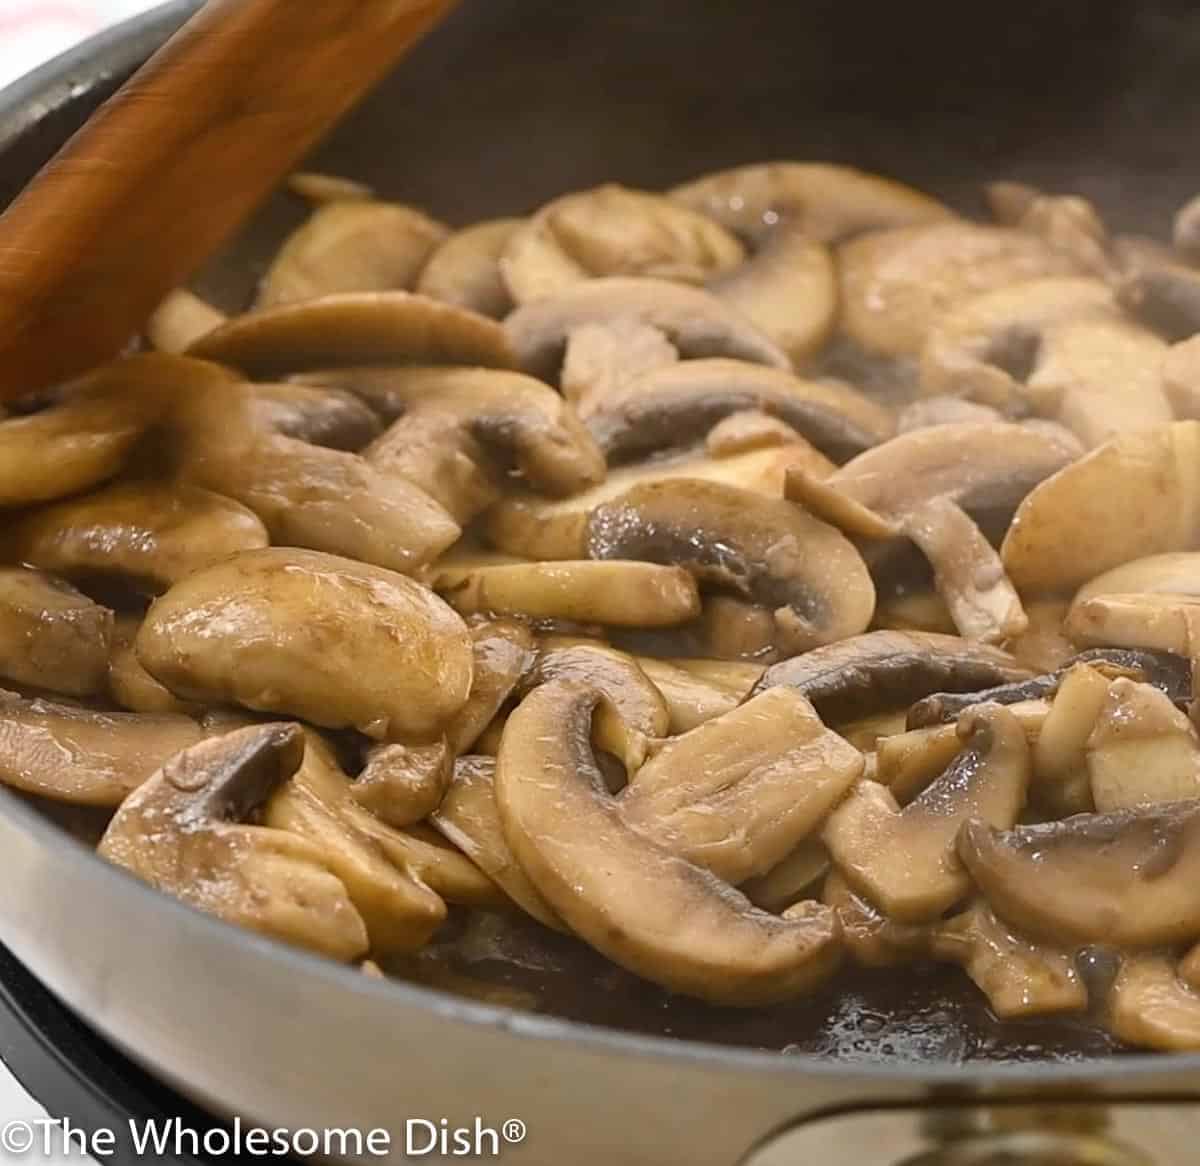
<point x="167" y="169"/>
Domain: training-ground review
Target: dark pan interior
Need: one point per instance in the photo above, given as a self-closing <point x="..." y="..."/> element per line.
<point x="513" y="101"/>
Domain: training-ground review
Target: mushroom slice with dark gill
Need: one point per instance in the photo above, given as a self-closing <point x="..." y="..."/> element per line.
<point x="1126" y="878"/>
<point x="904" y="860"/>
<point x="655" y="914"/>
<point x="767" y="550"/>
<point x="1166" y="297"/>
<point x="887" y="669"/>
<point x="1151" y="1006"/>
<point x="181" y="832"/>
<point x="316" y="414"/>
<point x="464" y="269"/>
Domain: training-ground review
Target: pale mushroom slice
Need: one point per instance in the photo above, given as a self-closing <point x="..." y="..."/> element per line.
<point x="612" y="230"/>
<point x="787" y="288"/>
<point x="401" y="784"/>
<point x="696" y="322"/>
<point x="1060" y="754"/>
<point x="1018" y="976"/>
<point x="502" y="652"/>
<point x="653" y="913"/>
<point x="870" y="937"/>
<point x="1162" y="623"/>
<point x="149" y="533"/>
<point x="1141" y="750"/>
<point x="865" y="733"/>
<point x="773" y="553"/>
<point x="750" y="429"/>
<point x="904" y="860"/>
<point x="1126" y="878"/>
<point x="464" y="268"/>
<point x="311" y="635"/>
<point x="81" y="756"/>
<point x="615" y="593"/>
<point x="130" y="685"/>
<point x="944" y="409"/>
<point x="319" y="188"/>
<point x="356" y="245"/>
<point x="985" y="347"/>
<point x="896" y="284"/>
<point x="1137" y="495"/>
<point x="540" y="528"/>
<point x="399" y="910"/>
<point x="1171" y="573"/>
<point x="52" y="636"/>
<point x="1181" y="378"/>
<point x="354" y="328"/>
<point x="1150" y="1005"/>
<point x="914" y="611"/>
<point x="678" y="404"/>
<point x="825" y="201"/>
<point x="691" y="700"/>
<point x="739" y="793"/>
<point x="181" y="832"/>
<point x="469" y="818"/>
<point x="1043" y="646"/>
<point x="793" y="879"/>
<point x="1186" y="230"/>
<point x="1166" y="297"/>
<point x="316" y="414"/>
<point x="603" y="362"/>
<point x="888" y="669"/>
<point x="1066" y="221"/>
<point x="180" y="320"/>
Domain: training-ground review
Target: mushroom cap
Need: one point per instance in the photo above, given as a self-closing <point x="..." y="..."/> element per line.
<point x="337" y="642"/>
<point x="464" y="268"/>
<point x="769" y="551"/>
<point x="657" y="915"/>
<point x="354" y="328"/>
<point x="695" y="321"/>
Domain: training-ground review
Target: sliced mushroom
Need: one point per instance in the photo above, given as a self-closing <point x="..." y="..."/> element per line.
<point x="470" y="818"/>
<point x="1163" y="623"/>
<point x="180" y="320"/>
<point x="1134" y="496"/>
<point x="732" y="629"/>
<point x="791" y="880"/>
<point x="1150" y="1005"/>
<point x="355" y="245"/>
<point x="1189" y="967"/>
<point x="1166" y="298"/>
<point x="691" y="700"/>
<point x="677" y="404"/>
<point x="403" y="784"/>
<point x="612" y="230"/>
<point x="52" y="636"/>
<point x="896" y="284"/>
<point x="318" y="415"/>
<point x="914" y="611"/>
<point x="985" y="347"/>
<point x="904" y="860"/>
<point x="1066" y="221"/>
<point x="1186" y="234"/>
<point x="824" y="201"/>
<point x="737" y="794"/>
<point x="621" y="594"/>
<point x="1172" y="573"/>
<point x="130" y="685"/>
<point x="603" y="362"/>
<point x="871" y="938"/>
<point x="750" y="429"/>
<point x="1127" y="878"/>
<point x="1060" y="755"/>
<point x="150" y="533"/>
<point x="181" y="833"/>
<point x="354" y="328"/>
<point x="944" y="409"/>
<point x="321" y="188"/>
<point x="1018" y="976"/>
<point x="464" y="268"/>
<point x="787" y="288"/>
<point x="770" y="551"/>
<point x="654" y="914"/>
<point x="695" y="321"/>
<point x="1043" y="646"/>
<point x="81" y="756"/>
<point x="311" y="635"/>
<point x="885" y="669"/>
<point x="429" y="858"/>
<point x="1181" y="378"/>
<point x="502" y="652"/>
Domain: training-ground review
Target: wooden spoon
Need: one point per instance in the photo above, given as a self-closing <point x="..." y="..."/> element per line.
<point x="163" y="172"/>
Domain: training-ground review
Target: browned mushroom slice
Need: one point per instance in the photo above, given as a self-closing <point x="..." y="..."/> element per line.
<point x="768" y="550"/>
<point x="737" y="794"/>
<point x="967" y="572"/>
<point x="677" y="404"/>
<point x="732" y="629"/>
<point x="150" y="533"/>
<point x="895" y="284"/>
<point x="824" y="201"/>
<point x="611" y="230"/>
<point x="355" y="328"/>
<point x="403" y="784"/>
<point x="1166" y="298"/>
<point x="603" y="362"/>
<point x="355" y="245"/>
<point x="180" y="320"/>
<point x="1150" y="1005"/>
<point x="796" y="877"/>
<point x="319" y="188"/>
<point x="691" y="700"/>
<point x="787" y="288"/>
<point x="871" y="938"/>
<point x="1125" y="878"/>
<point x="320" y="416"/>
<point x="464" y="269"/>
<point x="944" y="410"/>
<point x="904" y="860"/>
<point x="470" y="818"/>
<point x="400" y="912"/>
<point x="181" y="833"/>
<point x="653" y="913"/>
<point x="299" y="632"/>
<point x="502" y="651"/>
<point x="1018" y="977"/>
<point x="78" y="755"/>
<point x="886" y="669"/>
<point x="130" y="685"/>
<point x="695" y="321"/>
<point x="1137" y="495"/>
<point x="52" y="636"/>
<point x="620" y="594"/>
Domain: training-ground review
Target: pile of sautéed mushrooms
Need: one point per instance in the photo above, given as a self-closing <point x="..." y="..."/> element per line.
<point x="768" y="575"/>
